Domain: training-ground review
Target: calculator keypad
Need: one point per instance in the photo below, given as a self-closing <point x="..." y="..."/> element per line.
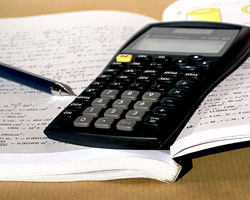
<point x="137" y="98"/>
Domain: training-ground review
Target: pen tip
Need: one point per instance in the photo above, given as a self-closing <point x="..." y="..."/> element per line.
<point x="62" y="89"/>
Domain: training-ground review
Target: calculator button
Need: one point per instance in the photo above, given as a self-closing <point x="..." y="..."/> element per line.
<point x="121" y="103"/>
<point x="179" y="93"/>
<point x="138" y="86"/>
<point x="124" y="78"/>
<point x="104" y="78"/>
<point x="185" y="84"/>
<point x="83" y="121"/>
<point x="170" y="102"/>
<point x="118" y="85"/>
<point x="151" y="96"/>
<point x="90" y="111"/>
<point x="163" y="59"/>
<point x="108" y="93"/>
<point x="126" y="125"/>
<point x="205" y="65"/>
<point x="104" y="123"/>
<point x="135" y="114"/>
<point x="124" y="58"/>
<point x="143" y="58"/>
<point x="157" y="66"/>
<point x="130" y="94"/>
<point x="161" y="111"/>
<point x="113" y="113"/>
<point x="77" y="105"/>
<point x="111" y="71"/>
<point x="98" y="84"/>
<point x="117" y="65"/>
<point x="192" y="75"/>
<point x="160" y="88"/>
<point x="166" y="80"/>
<point x="153" y="121"/>
<point x="150" y="72"/>
<point x="174" y="74"/>
<point x="100" y="102"/>
<point x="144" y="79"/>
<point x="137" y="65"/>
<point x="143" y="105"/>
<point x="84" y="98"/>
<point x="69" y="115"/>
<point x="132" y="72"/>
<point x="195" y="58"/>
<point x="180" y="62"/>
<point x="188" y="68"/>
<point x="92" y="91"/>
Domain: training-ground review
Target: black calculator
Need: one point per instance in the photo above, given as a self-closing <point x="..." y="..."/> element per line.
<point x="149" y="90"/>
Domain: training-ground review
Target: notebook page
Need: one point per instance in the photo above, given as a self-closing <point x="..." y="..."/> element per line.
<point x="223" y="117"/>
<point x="71" y="48"/>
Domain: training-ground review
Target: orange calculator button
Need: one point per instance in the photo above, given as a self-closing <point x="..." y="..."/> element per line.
<point x="124" y="58"/>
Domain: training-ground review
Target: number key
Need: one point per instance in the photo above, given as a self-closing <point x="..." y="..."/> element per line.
<point x="83" y="121"/>
<point x="108" y="93"/>
<point x="130" y="94"/>
<point x="113" y="113"/>
<point x="121" y="103"/>
<point x="135" y="114"/>
<point x="90" y="111"/>
<point x="151" y="96"/>
<point x="100" y="102"/>
<point x="143" y="105"/>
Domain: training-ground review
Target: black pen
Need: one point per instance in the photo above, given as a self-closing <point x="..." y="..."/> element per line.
<point x="34" y="81"/>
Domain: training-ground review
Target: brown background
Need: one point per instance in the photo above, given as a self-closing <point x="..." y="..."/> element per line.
<point x="219" y="176"/>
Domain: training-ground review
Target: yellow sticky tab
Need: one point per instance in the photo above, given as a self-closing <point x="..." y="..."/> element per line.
<point x="124" y="58"/>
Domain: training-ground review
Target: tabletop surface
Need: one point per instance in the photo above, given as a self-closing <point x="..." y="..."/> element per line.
<point x="220" y="176"/>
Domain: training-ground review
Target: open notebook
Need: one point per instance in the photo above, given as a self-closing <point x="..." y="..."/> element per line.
<point x="74" y="48"/>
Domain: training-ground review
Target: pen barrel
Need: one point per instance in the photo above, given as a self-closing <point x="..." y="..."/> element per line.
<point x="25" y="78"/>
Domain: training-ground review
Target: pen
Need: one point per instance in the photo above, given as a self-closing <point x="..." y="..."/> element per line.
<point x="34" y="81"/>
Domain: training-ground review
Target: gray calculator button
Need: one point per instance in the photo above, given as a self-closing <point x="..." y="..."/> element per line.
<point x="111" y="94"/>
<point x="100" y="102"/>
<point x="130" y="94"/>
<point x="135" y="114"/>
<point x="121" y="103"/>
<point x="151" y="96"/>
<point x="90" y="111"/>
<point x="113" y="113"/>
<point x="126" y="125"/>
<point x="83" y="121"/>
<point x="143" y="105"/>
<point x="104" y="122"/>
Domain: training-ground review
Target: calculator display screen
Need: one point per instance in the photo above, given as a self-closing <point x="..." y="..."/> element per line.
<point x="183" y="41"/>
<point x="180" y="45"/>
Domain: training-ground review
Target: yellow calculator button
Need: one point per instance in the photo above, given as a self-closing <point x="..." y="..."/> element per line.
<point x="124" y="58"/>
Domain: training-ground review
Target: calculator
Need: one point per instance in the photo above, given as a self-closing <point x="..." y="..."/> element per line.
<point x="151" y="87"/>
